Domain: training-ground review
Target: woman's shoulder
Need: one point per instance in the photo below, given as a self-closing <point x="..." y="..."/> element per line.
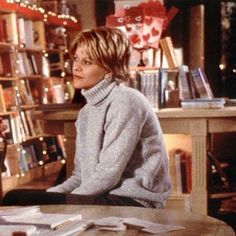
<point x="127" y="94"/>
<point x="129" y="100"/>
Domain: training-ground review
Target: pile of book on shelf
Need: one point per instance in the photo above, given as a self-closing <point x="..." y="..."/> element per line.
<point x="195" y="90"/>
<point x="180" y="171"/>
<point x="25" y="156"/>
<point x="158" y="86"/>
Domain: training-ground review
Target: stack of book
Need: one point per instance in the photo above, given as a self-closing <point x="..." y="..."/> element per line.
<point x="195" y="90"/>
<point x="180" y="171"/>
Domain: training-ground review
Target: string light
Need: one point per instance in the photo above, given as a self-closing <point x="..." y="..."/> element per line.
<point x="41" y="162"/>
<point x="33" y="7"/>
<point x="63" y="74"/>
<point x="17" y="175"/>
<point x="63" y="161"/>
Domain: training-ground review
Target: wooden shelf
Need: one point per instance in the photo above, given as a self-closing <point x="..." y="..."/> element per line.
<point x="37" y="15"/>
<point x="39" y="173"/>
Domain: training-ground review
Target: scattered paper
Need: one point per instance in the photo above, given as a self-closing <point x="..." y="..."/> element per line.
<point x="41" y="219"/>
<point x="138" y="223"/>
<point x="8" y="230"/>
<point x="20" y="211"/>
<point x="113" y="223"/>
<point x="25" y="219"/>
<point x="73" y="228"/>
<point x="161" y="228"/>
<point x="119" y="227"/>
<point x="109" y="221"/>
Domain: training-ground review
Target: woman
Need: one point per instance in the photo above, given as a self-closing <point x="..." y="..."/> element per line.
<point x="120" y="155"/>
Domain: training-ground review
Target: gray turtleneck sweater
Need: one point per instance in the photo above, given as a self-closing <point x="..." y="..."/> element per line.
<point x="119" y="147"/>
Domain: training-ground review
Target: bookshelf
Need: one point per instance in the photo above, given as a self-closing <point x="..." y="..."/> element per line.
<point x="34" y="62"/>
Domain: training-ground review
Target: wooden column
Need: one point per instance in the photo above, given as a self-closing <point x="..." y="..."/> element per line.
<point x="196" y="37"/>
<point x="198" y="130"/>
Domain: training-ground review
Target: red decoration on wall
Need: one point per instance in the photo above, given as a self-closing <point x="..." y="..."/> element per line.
<point x="143" y="23"/>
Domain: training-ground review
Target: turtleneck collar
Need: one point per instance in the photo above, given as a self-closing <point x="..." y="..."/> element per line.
<point x="99" y="92"/>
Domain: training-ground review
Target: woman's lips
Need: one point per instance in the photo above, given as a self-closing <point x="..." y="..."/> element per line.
<point x="76" y="77"/>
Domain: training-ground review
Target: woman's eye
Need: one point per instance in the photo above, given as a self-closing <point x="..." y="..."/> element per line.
<point x="86" y="62"/>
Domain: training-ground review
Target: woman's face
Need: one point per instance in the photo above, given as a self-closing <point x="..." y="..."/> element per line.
<point x="86" y="73"/>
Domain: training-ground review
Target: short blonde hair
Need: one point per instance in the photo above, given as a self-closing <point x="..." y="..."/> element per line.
<point x="107" y="47"/>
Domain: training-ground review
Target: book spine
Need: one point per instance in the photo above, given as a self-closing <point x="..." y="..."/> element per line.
<point x="168" y="49"/>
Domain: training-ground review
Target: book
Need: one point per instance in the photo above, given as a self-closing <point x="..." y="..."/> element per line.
<point x="149" y="87"/>
<point x="30" y="156"/>
<point x="185" y="86"/>
<point x="22" y="162"/>
<point x="3" y="29"/>
<point x="9" y="95"/>
<point x="6" y="120"/>
<point x="39" y="35"/>
<point x="54" y="151"/>
<point x="24" y="66"/>
<point x="3" y="107"/>
<point x="11" y="161"/>
<point x="198" y="103"/>
<point x="180" y="171"/>
<point x="201" y="82"/>
<point x="168" y="50"/>
<point x="59" y="94"/>
<point x="6" y="64"/>
<point x="30" y="123"/>
<point x="11" y="27"/>
<point x="29" y="37"/>
<point x="16" y="127"/>
<point x="22" y="32"/>
<point x="25" y="95"/>
<point x="24" y="123"/>
<point x="40" y="219"/>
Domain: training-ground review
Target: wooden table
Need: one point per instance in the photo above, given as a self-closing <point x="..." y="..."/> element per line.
<point x="198" y="123"/>
<point x="195" y="224"/>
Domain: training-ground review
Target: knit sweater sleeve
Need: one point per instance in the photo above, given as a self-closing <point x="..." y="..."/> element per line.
<point x="124" y="121"/>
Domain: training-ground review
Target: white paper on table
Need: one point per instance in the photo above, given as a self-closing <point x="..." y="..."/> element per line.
<point x="23" y="211"/>
<point x="139" y="223"/>
<point x="41" y="219"/>
<point x="8" y="230"/>
<point x="161" y="228"/>
<point x="119" y="227"/>
<point x="110" y="221"/>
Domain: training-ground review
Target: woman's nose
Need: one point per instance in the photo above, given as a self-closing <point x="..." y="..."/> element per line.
<point x="77" y="67"/>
